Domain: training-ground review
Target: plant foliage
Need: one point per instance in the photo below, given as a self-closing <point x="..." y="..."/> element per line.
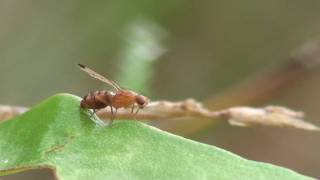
<point x="59" y="135"/>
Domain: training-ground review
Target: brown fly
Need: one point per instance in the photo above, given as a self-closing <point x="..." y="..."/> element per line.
<point x="121" y="98"/>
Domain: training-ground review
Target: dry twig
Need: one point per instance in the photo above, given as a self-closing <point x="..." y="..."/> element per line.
<point x="237" y="116"/>
<point x="8" y="112"/>
<point x="260" y="90"/>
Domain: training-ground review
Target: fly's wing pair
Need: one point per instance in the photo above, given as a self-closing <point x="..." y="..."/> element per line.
<point x="96" y="75"/>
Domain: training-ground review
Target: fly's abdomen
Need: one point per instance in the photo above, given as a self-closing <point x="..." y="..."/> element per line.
<point x="97" y="100"/>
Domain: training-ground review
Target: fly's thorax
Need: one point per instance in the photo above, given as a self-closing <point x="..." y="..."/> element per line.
<point x="124" y="98"/>
<point x="126" y="93"/>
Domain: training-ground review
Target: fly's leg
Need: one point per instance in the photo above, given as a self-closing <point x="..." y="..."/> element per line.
<point x="132" y="108"/>
<point x="135" y="114"/>
<point x="92" y="113"/>
<point x="113" y="115"/>
<point x="132" y="112"/>
<point x="96" y="118"/>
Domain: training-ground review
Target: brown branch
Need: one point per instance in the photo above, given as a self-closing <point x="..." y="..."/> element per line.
<point x="253" y="92"/>
<point x="237" y="116"/>
<point x="257" y="91"/>
<point x="8" y="112"/>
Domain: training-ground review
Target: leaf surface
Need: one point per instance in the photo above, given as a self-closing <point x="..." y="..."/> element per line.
<point x="59" y="135"/>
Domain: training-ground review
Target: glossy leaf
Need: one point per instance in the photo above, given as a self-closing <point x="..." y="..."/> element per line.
<point x="59" y="135"/>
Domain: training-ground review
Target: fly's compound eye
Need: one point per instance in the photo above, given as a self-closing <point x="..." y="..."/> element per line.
<point x="142" y="101"/>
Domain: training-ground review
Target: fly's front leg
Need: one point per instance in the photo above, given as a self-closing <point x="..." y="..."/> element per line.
<point x="135" y="114"/>
<point x="137" y="111"/>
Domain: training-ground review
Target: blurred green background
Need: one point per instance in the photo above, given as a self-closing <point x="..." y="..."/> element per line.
<point x="172" y="50"/>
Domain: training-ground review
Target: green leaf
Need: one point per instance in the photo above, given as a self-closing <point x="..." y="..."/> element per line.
<point x="59" y="135"/>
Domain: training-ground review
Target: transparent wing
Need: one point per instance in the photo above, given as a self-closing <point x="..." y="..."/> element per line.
<point x="99" y="77"/>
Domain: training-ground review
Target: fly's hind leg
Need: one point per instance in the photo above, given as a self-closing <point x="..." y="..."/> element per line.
<point x="92" y="113"/>
<point x="96" y="119"/>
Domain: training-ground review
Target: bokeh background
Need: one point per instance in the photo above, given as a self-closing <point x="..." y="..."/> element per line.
<point x="172" y="50"/>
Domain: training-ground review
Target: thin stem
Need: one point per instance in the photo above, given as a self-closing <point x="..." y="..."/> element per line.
<point x="257" y="91"/>
<point x="190" y="109"/>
